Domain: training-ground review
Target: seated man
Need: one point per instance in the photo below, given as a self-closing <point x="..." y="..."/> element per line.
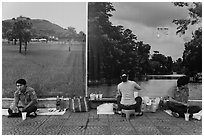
<point x="27" y="97"/>
<point x="178" y="104"/>
<point x="125" y="95"/>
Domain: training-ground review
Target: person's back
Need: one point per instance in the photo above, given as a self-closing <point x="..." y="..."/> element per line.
<point x="127" y="90"/>
<point x="125" y="95"/>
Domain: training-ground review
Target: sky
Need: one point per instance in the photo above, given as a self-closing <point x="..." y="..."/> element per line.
<point x="143" y="18"/>
<point x="64" y="14"/>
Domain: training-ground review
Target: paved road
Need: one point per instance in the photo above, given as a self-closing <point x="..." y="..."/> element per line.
<point x="89" y="123"/>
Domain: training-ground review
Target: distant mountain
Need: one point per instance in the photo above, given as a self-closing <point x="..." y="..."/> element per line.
<point x="43" y="28"/>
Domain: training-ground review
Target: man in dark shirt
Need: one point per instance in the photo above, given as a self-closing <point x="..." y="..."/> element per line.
<point x="27" y="97"/>
<point x="178" y="104"/>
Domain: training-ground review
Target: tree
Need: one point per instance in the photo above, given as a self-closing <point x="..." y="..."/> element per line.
<point x="9" y="35"/>
<point x="26" y="38"/>
<point x="192" y="55"/>
<point x="142" y="59"/>
<point x="195" y="12"/>
<point x="99" y="27"/>
<point x="21" y="29"/>
<point x="7" y="31"/>
<point x="178" y="66"/>
<point x="161" y="64"/>
<point x="71" y="33"/>
<point x="6" y="26"/>
<point x="82" y="36"/>
<point x="169" y="65"/>
<point x="127" y="44"/>
<point x="156" y="52"/>
<point x="111" y="47"/>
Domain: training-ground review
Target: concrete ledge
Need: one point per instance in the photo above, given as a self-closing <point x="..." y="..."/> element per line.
<point x="51" y="102"/>
<point x="164" y="76"/>
<point x="42" y="102"/>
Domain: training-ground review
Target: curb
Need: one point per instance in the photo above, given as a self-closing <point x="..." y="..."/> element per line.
<point x="51" y="102"/>
<point x="42" y="102"/>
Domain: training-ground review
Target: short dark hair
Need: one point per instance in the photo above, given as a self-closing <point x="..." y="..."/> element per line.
<point x="182" y="81"/>
<point x="124" y="72"/>
<point x="21" y="81"/>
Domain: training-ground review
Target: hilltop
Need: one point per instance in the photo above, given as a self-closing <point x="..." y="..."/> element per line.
<point x="47" y="28"/>
<point x="43" y="28"/>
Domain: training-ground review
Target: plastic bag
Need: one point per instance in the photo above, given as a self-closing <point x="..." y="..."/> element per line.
<point x="198" y="115"/>
<point x="79" y="104"/>
<point x="106" y="108"/>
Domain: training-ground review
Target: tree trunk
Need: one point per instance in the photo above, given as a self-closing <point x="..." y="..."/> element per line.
<point x="25" y="47"/>
<point x="15" y="41"/>
<point x="20" y="44"/>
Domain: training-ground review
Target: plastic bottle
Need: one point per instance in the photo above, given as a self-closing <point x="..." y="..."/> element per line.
<point x="62" y="103"/>
<point x="154" y="106"/>
<point x="161" y="103"/>
<point x="58" y="103"/>
<point x="143" y="107"/>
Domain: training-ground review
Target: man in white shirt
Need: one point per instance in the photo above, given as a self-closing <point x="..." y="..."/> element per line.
<point x="125" y="95"/>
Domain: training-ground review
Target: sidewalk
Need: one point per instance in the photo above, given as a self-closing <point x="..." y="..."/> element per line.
<point x="88" y="123"/>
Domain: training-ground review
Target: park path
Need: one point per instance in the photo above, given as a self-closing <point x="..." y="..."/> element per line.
<point x="88" y="123"/>
<point x="75" y="64"/>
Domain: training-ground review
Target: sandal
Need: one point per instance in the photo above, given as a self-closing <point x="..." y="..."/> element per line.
<point x="139" y="114"/>
<point x="118" y="112"/>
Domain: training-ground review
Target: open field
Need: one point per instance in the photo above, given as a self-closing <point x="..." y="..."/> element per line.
<point x="48" y="67"/>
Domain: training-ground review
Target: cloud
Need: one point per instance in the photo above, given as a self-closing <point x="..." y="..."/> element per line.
<point x="151" y="14"/>
<point x="144" y="18"/>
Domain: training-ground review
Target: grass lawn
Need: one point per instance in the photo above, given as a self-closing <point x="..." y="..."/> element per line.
<point x="48" y="67"/>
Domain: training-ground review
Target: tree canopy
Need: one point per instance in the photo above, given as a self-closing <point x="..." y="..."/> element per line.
<point x="21" y="30"/>
<point x="113" y="49"/>
<point x="195" y="16"/>
<point x="192" y="55"/>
